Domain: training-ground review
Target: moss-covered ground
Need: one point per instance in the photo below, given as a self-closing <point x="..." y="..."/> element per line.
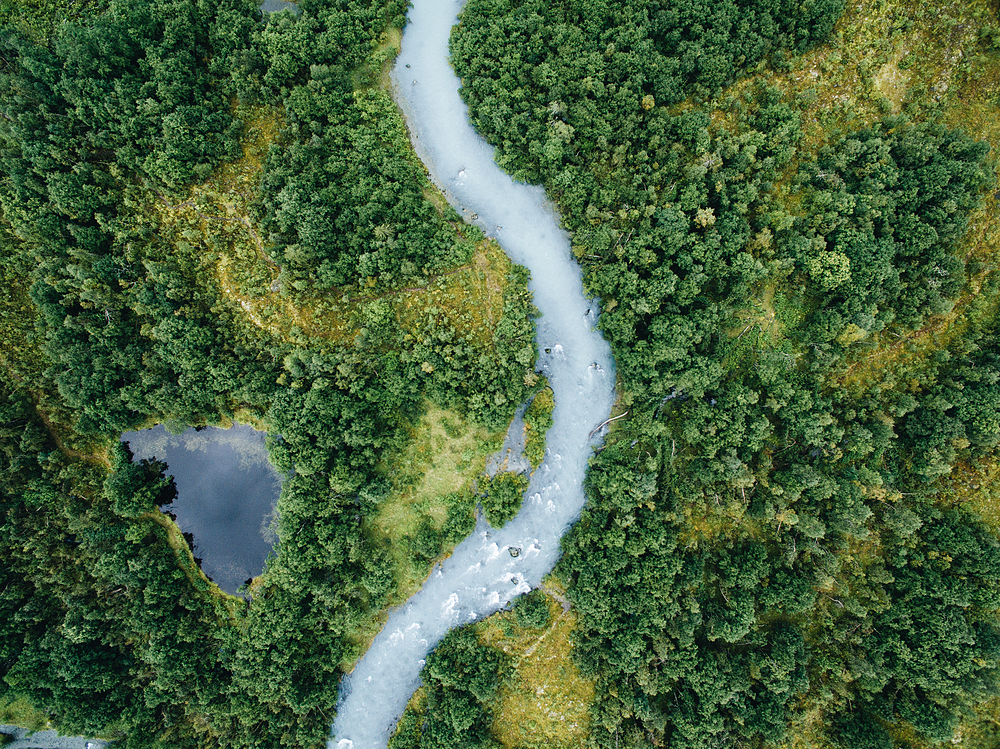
<point x="443" y="458"/>
<point x="547" y="701"/>
<point x="17" y="711"/>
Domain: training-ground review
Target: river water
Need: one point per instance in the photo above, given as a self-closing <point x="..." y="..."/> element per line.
<point x="481" y="576"/>
<point x="276" y="6"/>
<point x="25" y="739"/>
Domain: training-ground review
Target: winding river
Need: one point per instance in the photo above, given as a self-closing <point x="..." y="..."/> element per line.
<point x="481" y="576"/>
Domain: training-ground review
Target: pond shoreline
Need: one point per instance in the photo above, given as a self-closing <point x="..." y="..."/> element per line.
<point x="227" y="493"/>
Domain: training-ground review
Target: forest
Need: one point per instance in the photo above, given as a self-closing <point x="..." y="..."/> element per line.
<point x="790" y="540"/>
<point x="177" y="176"/>
<point x="788" y="213"/>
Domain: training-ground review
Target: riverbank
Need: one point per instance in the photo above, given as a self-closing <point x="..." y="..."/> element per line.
<point x="482" y="576"/>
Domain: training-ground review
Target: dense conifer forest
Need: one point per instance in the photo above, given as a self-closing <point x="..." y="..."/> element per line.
<point x="788" y="212"/>
<point x="210" y="215"/>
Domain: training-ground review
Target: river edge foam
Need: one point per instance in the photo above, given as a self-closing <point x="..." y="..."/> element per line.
<point x="481" y="576"/>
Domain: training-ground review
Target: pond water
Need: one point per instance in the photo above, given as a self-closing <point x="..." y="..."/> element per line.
<point x="273" y="6"/>
<point x="482" y="575"/>
<point x="226" y="495"/>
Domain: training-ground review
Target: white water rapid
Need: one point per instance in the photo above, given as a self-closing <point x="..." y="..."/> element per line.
<point x="481" y="576"/>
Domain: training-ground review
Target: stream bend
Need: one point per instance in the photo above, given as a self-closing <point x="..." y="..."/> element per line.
<point x="481" y="576"/>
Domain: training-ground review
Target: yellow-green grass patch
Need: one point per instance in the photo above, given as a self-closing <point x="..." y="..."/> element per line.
<point x="16" y="710"/>
<point x="470" y="296"/>
<point x="445" y="454"/>
<point x="546" y="702"/>
<point x="885" y="56"/>
<point x="213" y="223"/>
<point x="384" y="56"/>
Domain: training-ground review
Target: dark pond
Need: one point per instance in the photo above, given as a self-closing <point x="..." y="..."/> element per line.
<point x="273" y="6"/>
<point x="226" y="494"/>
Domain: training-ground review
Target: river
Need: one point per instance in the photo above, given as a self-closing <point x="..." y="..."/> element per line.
<point x="25" y="739"/>
<point x="481" y="576"/>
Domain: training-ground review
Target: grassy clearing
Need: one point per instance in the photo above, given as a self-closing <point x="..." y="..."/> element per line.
<point x="216" y="215"/>
<point x="886" y="56"/>
<point x="727" y="519"/>
<point x="470" y="296"/>
<point x="762" y="325"/>
<point x="240" y="178"/>
<point x="889" y="355"/>
<point x="437" y="471"/>
<point x="17" y="711"/>
<point x="547" y="702"/>
<point x="213" y="225"/>
<point x="444" y="456"/>
<point x="759" y="314"/>
<point x="385" y="55"/>
<point x="983" y="731"/>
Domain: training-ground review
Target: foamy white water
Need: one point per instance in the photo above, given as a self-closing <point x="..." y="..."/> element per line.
<point x="481" y="576"/>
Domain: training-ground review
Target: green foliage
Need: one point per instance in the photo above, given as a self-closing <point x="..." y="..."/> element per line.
<point x="885" y="209"/>
<point x="98" y="275"/>
<point x="382" y="228"/>
<point x="756" y="537"/>
<point x="532" y="610"/>
<point x="943" y="582"/>
<point x="94" y="602"/>
<point x="456" y="371"/>
<point x="537" y="421"/>
<point x="136" y="488"/>
<point x="548" y="83"/>
<point x="407" y="733"/>
<point x="39" y="19"/>
<point x="958" y="415"/>
<point x="740" y="551"/>
<point x="502" y="496"/>
<point x="106" y="624"/>
<point x="427" y="541"/>
<point x="95" y="74"/>
<point x="461" y="518"/>
<point x="461" y="679"/>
